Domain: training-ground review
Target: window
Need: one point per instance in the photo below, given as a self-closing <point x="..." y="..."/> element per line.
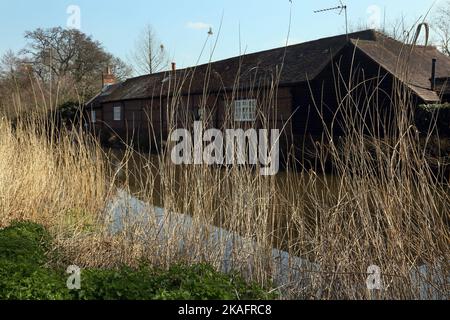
<point x="117" y="113"/>
<point x="93" y="116"/>
<point x="245" y="110"/>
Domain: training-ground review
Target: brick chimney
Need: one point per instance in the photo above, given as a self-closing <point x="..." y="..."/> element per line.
<point x="108" y="78"/>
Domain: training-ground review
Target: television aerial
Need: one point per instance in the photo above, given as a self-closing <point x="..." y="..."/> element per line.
<point x="343" y="8"/>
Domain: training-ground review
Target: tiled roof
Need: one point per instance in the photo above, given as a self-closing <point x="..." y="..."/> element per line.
<point x="289" y="65"/>
<point x="301" y="62"/>
<point x="410" y="64"/>
<point x="96" y="101"/>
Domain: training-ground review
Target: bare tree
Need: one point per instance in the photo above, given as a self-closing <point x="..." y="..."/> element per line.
<point x="58" y="67"/>
<point x="70" y="59"/>
<point x="10" y="64"/>
<point x="69" y="56"/>
<point x="15" y="84"/>
<point x="121" y="70"/>
<point x="442" y="27"/>
<point x="149" y="55"/>
<point x="58" y="52"/>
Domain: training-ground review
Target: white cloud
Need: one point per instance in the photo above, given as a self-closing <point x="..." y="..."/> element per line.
<point x="198" y="25"/>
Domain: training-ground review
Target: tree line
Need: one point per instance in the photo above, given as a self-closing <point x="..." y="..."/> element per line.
<point x="61" y="67"/>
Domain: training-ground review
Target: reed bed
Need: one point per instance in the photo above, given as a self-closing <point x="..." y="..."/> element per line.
<point x="385" y="204"/>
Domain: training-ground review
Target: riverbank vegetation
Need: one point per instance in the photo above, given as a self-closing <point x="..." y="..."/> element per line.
<point x="28" y="272"/>
<point x="392" y="212"/>
<point x="387" y="204"/>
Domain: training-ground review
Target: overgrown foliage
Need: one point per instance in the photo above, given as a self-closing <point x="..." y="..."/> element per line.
<point x="25" y="273"/>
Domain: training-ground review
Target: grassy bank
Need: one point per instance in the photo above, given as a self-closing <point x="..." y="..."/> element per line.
<point x="27" y="272"/>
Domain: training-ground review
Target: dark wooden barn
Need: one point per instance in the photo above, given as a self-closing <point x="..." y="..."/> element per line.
<point x="297" y="89"/>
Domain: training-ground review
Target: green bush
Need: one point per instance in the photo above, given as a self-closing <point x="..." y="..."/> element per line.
<point x="20" y="282"/>
<point x="68" y="113"/>
<point x="198" y="282"/>
<point x="24" y="275"/>
<point x="24" y="242"/>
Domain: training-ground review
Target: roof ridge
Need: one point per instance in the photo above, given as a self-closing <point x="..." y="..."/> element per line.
<point x="367" y="31"/>
<point x="381" y="34"/>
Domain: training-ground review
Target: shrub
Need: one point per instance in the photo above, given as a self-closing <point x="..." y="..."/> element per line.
<point x="24" y="242"/>
<point x="198" y="282"/>
<point x="23" y="276"/>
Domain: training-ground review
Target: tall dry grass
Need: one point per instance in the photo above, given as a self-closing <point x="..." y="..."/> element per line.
<point x="54" y="179"/>
<point x="384" y="205"/>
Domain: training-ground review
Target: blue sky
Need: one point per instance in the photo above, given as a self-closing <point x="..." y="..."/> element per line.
<point x="182" y="25"/>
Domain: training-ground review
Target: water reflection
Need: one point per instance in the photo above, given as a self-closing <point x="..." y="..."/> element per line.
<point x="142" y="174"/>
<point x="222" y="194"/>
